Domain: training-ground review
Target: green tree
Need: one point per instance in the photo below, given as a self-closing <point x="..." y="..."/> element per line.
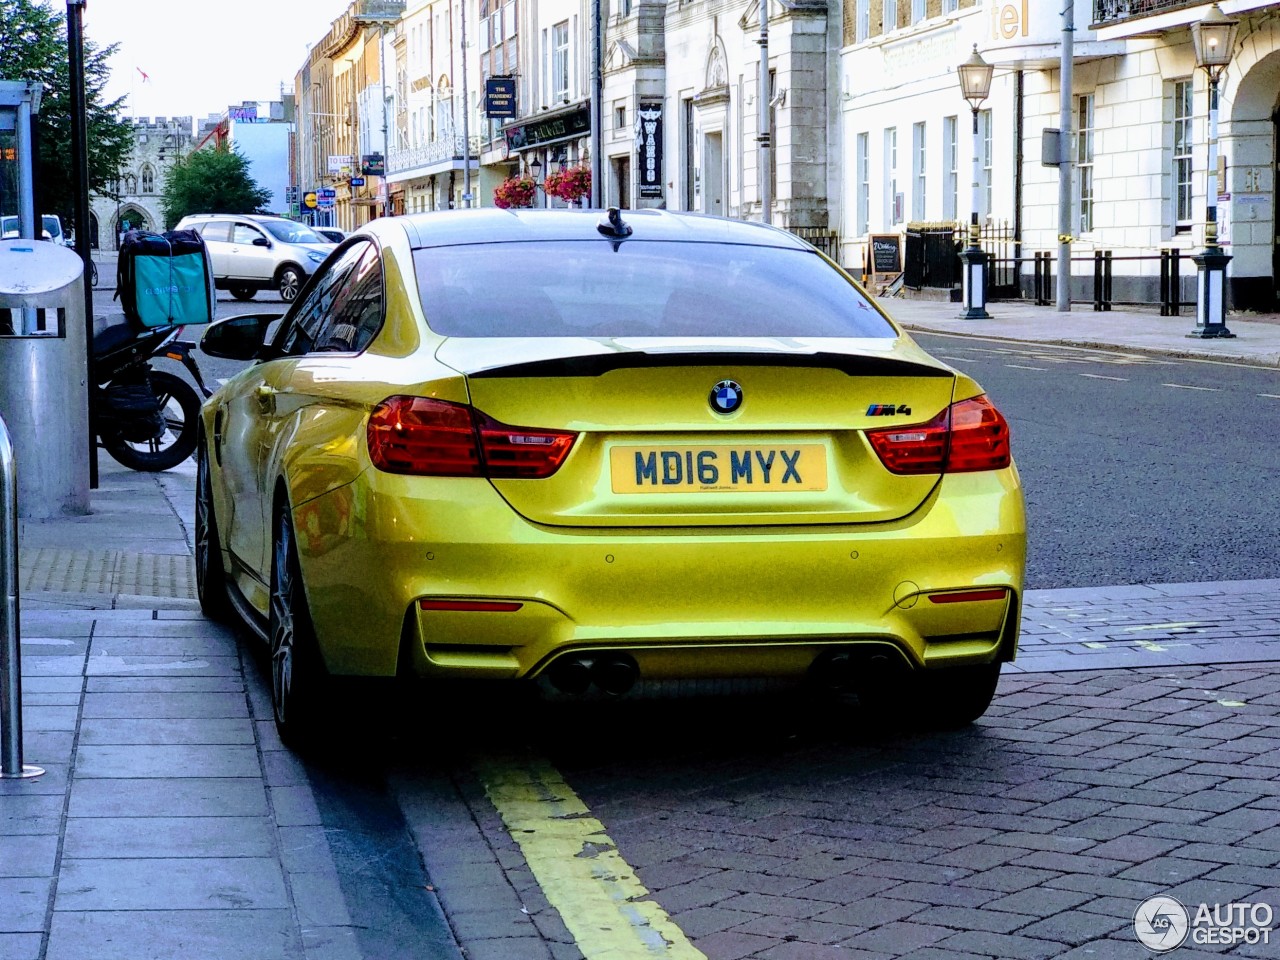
<point x="33" y="47"/>
<point x="211" y="181"/>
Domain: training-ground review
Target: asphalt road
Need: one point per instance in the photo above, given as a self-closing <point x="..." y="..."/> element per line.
<point x="1137" y="469"/>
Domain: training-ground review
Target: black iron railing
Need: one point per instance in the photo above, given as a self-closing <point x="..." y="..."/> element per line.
<point x="1114" y="11"/>
<point x="929" y="258"/>
<point x="1044" y="281"/>
<point x="828" y="241"/>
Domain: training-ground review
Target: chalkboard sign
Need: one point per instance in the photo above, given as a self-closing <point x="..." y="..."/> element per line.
<point x="886" y="253"/>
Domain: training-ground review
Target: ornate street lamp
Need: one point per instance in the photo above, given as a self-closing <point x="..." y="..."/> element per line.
<point x="1214" y="39"/>
<point x="975" y="86"/>
<point x="536" y="169"/>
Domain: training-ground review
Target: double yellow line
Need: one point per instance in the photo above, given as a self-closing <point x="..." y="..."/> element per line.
<point x="602" y="902"/>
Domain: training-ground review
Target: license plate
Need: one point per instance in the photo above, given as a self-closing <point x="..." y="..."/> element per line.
<point x="721" y="468"/>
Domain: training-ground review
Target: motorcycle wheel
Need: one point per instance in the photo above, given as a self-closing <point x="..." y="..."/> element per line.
<point x="181" y="407"/>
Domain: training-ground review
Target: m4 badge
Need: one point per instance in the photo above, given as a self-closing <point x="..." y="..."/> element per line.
<point x="888" y="410"/>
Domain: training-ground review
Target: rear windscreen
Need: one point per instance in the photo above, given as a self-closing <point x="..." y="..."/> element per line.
<point x="639" y="288"/>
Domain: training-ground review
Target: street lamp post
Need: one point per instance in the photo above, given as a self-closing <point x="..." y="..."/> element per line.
<point x="975" y="86"/>
<point x="1214" y="38"/>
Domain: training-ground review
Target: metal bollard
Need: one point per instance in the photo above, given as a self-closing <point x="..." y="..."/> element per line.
<point x="11" y="765"/>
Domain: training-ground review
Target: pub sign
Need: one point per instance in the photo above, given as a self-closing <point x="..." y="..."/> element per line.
<point x="500" y="97"/>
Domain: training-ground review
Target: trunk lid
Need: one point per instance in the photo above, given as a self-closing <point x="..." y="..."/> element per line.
<point x="654" y="449"/>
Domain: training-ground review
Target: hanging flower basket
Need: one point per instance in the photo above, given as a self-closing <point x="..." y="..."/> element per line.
<point x="515" y="192"/>
<point x="570" y="184"/>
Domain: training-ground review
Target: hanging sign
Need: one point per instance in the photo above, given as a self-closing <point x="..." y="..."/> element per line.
<point x="500" y="97"/>
<point x="649" y="148"/>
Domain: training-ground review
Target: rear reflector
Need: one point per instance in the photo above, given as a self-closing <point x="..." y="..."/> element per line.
<point x="969" y="435"/>
<point x="968" y="596"/>
<point x="439" y="438"/>
<point x="490" y="606"/>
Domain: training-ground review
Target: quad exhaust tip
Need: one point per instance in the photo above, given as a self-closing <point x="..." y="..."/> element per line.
<point x="613" y="673"/>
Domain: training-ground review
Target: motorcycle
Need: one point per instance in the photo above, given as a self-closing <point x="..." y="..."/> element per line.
<point x="145" y="418"/>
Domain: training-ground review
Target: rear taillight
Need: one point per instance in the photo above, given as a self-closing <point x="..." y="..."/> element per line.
<point x="969" y="435"/>
<point x="438" y="438"/>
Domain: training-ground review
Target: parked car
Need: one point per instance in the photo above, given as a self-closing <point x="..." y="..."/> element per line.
<point x="51" y="228"/>
<point x="331" y="233"/>
<point x="521" y="444"/>
<point x="252" y="252"/>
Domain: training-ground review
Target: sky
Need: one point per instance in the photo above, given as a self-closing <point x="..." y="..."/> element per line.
<point x="200" y="56"/>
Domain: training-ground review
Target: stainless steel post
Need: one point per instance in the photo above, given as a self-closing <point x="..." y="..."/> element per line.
<point x="11" y="765"/>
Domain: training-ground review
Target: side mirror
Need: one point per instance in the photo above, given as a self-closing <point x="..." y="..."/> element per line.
<point x="238" y="338"/>
<point x="261" y="242"/>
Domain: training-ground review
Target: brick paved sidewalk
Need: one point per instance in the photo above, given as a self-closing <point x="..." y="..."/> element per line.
<point x="1034" y="834"/>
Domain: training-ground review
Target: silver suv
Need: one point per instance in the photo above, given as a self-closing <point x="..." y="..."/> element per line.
<point x="252" y="253"/>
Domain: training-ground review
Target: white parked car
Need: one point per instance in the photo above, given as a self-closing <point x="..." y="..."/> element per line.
<point x="252" y="252"/>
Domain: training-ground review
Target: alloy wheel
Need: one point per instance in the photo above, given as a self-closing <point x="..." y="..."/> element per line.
<point x="283" y="621"/>
<point x="290" y="283"/>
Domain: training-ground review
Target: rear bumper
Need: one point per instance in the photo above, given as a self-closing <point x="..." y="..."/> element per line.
<point x="684" y="602"/>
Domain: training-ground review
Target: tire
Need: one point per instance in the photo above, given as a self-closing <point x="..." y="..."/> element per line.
<point x="957" y="696"/>
<point x="242" y="293"/>
<point x="93" y="274"/>
<point x="211" y="575"/>
<point x="289" y="281"/>
<point x="181" y="408"/>
<point x="297" y="674"/>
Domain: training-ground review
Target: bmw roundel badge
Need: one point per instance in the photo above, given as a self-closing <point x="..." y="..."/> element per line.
<point x="726" y="396"/>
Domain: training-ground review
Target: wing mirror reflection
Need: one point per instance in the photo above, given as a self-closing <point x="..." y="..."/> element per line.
<point x="239" y="338"/>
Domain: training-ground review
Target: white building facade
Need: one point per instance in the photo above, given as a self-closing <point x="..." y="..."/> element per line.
<point x="1138" y="144"/>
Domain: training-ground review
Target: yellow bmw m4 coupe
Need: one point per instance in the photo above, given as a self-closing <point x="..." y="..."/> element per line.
<point x="596" y="448"/>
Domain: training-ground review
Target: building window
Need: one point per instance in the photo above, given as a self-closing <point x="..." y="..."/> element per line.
<point x="620" y="117"/>
<point x="148" y="179"/>
<point x="864" y="20"/>
<point x="560" y="62"/>
<point x="864" y="184"/>
<point x="950" y="167"/>
<point x="1183" y="115"/>
<point x="985" y="185"/>
<point x="917" y="10"/>
<point x="950" y="6"/>
<point x="892" y="200"/>
<point x="918" y="153"/>
<point x="1084" y="162"/>
<point x="889" y="19"/>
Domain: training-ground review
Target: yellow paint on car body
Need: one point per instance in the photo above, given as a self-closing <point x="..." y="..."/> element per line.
<point x="597" y="894"/>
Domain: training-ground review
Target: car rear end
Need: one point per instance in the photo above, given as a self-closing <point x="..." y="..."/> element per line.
<point x="695" y="453"/>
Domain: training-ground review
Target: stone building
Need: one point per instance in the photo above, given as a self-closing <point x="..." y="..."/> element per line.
<point x="140" y="181"/>
<point x="1138" y="148"/>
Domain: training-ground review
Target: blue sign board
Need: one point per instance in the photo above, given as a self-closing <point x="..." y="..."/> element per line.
<point x="327" y="193"/>
<point x="500" y="97"/>
<point x="357" y="181"/>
